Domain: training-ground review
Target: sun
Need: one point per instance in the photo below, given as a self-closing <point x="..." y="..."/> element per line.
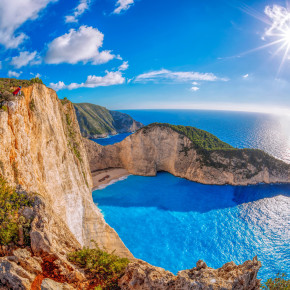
<point x="286" y="36"/>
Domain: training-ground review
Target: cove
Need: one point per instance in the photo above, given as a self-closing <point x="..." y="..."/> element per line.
<point x="172" y="222"/>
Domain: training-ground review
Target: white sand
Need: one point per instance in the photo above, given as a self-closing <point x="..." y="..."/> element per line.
<point x="106" y="176"/>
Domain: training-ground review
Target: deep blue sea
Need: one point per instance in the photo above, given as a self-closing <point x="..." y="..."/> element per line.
<point x="172" y="222"/>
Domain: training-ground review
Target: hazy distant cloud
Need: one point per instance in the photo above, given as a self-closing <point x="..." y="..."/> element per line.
<point x="38" y="75"/>
<point x="195" y="83"/>
<point x="25" y="58"/>
<point x="111" y="78"/>
<point x="280" y="17"/>
<point x="123" y="5"/>
<point x="13" y="13"/>
<point x="0" y="64"/>
<point x="124" y="66"/>
<point x="177" y="77"/>
<point x="245" y="76"/>
<point x="78" y="11"/>
<point x="80" y="45"/>
<point x="14" y="74"/>
<point x="195" y="89"/>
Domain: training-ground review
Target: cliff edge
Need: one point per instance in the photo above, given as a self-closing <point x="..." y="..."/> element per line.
<point x="43" y="152"/>
<point x="189" y="153"/>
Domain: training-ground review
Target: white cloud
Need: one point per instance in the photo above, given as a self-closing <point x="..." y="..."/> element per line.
<point x="14" y="74"/>
<point x="78" y="11"/>
<point x="195" y="83"/>
<point x="177" y="77"/>
<point x="38" y="75"/>
<point x="13" y="13"/>
<point x="25" y="58"/>
<point x="195" y="89"/>
<point x="245" y="76"/>
<point x="124" y="66"/>
<point x="280" y="18"/>
<point x="57" y="86"/>
<point x="111" y="78"/>
<point x="80" y="45"/>
<point x="123" y="5"/>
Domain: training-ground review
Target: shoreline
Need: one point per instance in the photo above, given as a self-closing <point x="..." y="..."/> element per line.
<point x="105" y="177"/>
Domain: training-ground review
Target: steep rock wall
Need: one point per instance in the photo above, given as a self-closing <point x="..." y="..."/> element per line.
<point x="159" y="148"/>
<point x="42" y="150"/>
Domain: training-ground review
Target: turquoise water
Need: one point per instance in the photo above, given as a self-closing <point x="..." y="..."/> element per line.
<point x="172" y="222"/>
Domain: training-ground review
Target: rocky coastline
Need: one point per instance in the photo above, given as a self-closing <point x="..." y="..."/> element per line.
<point x="43" y="154"/>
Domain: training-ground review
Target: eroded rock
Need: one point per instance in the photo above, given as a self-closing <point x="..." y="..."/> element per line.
<point x="141" y="275"/>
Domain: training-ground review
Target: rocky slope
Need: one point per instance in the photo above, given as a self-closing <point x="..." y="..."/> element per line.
<point x="41" y="149"/>
<point x="142" y="276"/>
<point x="98" y="122"/>
<point x="42" y="152"/>
<point x="161" y="147"/>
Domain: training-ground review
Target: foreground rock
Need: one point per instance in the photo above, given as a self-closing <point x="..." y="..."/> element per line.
<point x="142" y="276"/>
<point x="158" y="147"/>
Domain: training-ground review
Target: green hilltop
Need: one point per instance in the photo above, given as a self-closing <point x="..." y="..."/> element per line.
<point x="96" y="120"/>
<point x="201" y="139"/>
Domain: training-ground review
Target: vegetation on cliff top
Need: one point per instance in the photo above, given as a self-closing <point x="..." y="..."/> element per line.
<point x="14" y="227"/>
<point x="8" y="85"/>
<point x="207" y="145"/>
<point x="201" y="139"/>
<point x="97" y="120"/>
<point x="101" y="268"/>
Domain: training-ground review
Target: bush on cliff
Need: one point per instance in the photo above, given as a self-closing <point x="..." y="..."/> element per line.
<point x="279" y="283"/>
<point x="14" y="228"/>
<point x="102" y="268"/>
<point x="7" y="86"/>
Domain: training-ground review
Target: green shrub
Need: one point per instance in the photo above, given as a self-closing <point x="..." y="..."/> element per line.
<point x="64" y="100"/>
<point x="278" y="283"/>
<point x="4" y="108"/>
<point x="101" y="266"/>
<point x="32" y="105"/>
<point x="11" y="220"/>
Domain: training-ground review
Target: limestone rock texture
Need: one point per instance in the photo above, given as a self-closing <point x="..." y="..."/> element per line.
<point x="41" y="149"/>
<point x="142" y="276"/>
<point x="160" y="148"/>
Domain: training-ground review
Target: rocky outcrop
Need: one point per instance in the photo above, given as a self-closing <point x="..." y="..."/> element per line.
<point x="41" y="150"/>
<point x="160" y="148"/>
<point x="98" y="122"/>
<point x="142" y="276"/>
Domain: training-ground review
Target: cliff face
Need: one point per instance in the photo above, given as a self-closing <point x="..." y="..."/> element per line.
<point x="97" y="122"/>
<point x="160" y="148"/>
<point x="42" y="150"/>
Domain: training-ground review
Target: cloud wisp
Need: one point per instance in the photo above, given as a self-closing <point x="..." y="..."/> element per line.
<point x="78" y="11"/>
<point x="280" y="18"/>
<point x="123" y="5"/>
<point x="110" y="79"/>
<point x="14" y="74"/>
<point x="82" y="45"/>
<point x="13" y="13"/>
<point x="165" y="75"/>
<point x="25" y="58"/>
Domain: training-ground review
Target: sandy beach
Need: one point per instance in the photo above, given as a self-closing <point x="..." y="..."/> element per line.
<point x="104" y="177"/>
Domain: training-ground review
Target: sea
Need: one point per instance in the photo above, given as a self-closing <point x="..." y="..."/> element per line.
<point x="172" y="223"/>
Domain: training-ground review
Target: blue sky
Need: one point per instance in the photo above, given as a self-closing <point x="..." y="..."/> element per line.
<point x="126" y="54"/>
